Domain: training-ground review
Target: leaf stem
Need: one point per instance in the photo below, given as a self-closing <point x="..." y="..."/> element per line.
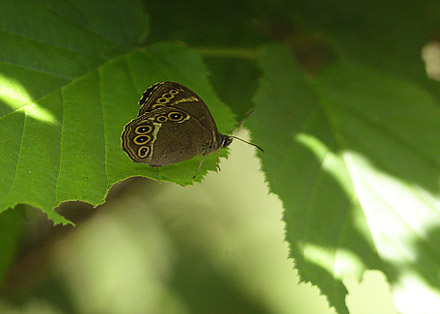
<point x="237" y="53"/>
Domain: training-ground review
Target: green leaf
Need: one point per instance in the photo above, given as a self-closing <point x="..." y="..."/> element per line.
<point x="235" y="80"/>
<point x="356" y="164"/>
<point x="205" y="23"/>
<point x="387" y="35"/>
<point x="69" y="85"/>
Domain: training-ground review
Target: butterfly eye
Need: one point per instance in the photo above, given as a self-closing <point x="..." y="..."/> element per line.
<point x="143" y="151"/>
<point x="143" y="129"/>
<point x="142" y="139"/>
<point x="162" y="119"/>
<point x="175" y="116"/>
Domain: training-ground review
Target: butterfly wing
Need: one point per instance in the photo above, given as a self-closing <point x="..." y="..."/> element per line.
<point x="150" y="96"/>
<point x="172" y="94"/>
<point x="165" y="136"/>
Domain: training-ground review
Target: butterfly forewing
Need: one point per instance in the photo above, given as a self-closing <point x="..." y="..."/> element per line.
<point x="147" y="97"/>
<point x="172" y="94"/>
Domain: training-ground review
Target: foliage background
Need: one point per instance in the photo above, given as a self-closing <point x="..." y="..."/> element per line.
<point x="163" y="256"/>
<point x="343" y="107"/>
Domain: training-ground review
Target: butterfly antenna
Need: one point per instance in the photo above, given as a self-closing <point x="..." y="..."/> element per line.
<point x="262" y="150"/>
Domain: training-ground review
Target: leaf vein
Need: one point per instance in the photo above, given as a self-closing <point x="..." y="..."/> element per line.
<point x="19" y="154"/>
<point x="103" y="127"/>
<point x="130" y="75"/>
<point x="36" y="70"/>
<point x="61" y="148"/>
<point x="49" y="44"/>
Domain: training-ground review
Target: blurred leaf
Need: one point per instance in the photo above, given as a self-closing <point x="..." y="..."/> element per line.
<point x="172" y="256"/>
<point x="11" y="225"/>
<point x="387" y="35"/>
<point x="208" y="23"/>
<point x="65" y="102"/>
<point x="235" y="81"/>
<point x="355" y="162"/>
<point x="386" y="129"/>
<point x="231" y="24"/>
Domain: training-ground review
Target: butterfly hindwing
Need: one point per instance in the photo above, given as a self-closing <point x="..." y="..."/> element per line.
<point x="165" y="136"/>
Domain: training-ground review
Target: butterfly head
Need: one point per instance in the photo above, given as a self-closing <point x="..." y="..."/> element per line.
<point x="226" y="140"/>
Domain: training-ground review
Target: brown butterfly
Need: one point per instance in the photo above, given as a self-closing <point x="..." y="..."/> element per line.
<point x="173" y="124"/>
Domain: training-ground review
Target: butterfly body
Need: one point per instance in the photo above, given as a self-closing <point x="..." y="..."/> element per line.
<point x="173" y="125"/>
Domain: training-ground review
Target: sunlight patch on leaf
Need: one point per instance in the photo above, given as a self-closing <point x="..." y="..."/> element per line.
<point x="400" y="219"/>
<point x="324" y="257"/>
<point x="431" y="57"/>
<point x="392" y="207"/>
<point x="14" y="94"/>
<point x="348" y="261"/>
<point x="332" y="163"/>
<point x="314" y="144"/>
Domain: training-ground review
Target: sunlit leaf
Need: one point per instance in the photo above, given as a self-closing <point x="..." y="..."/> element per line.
<point x="68" y="86"/>
<point x="355" y="162"/>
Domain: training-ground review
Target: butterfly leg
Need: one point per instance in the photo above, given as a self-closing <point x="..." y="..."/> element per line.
<point x="218" y="159"/>
<point x="200" y="165"/>
<point x="158" y="175"/>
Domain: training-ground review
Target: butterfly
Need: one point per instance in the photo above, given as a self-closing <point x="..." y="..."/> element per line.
<point x="173" y="124"/>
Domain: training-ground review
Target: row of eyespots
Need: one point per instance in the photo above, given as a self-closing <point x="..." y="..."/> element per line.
<point x="148" y="92"/>
<point x="165" y="98"/>
<point x="171" y="116"/>
<point x="142" y="139"/>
